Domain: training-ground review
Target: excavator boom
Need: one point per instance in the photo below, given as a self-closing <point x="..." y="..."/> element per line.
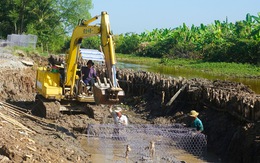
<point x="108" y="91"/>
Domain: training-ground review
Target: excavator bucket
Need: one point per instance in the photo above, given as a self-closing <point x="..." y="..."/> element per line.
<point x="104" y="94"/>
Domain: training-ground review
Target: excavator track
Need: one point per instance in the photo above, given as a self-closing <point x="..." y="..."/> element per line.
<point x="46" y="108"/>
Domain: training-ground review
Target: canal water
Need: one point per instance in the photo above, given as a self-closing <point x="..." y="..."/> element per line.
<point x="101" y="154"/>
<point x="253" y="83"/>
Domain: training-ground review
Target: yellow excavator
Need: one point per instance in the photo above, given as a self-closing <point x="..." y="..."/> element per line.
<point x="54" y="86"/>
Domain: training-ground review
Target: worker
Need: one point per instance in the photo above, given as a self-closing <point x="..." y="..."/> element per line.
<point x="119" y="118"/>
<point x="196" y="122"/>
<point x="120" y="121"/>
<point x="89" y="74"/>
<point x="196" y="141"/>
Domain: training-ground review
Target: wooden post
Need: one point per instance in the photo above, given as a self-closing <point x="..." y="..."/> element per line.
<point x="176" y="95"/>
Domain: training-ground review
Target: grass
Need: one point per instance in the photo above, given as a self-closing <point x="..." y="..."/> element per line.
<point x="28" y="50"/>
<point x="136" y="59"/>
<point x="217" y="68"/>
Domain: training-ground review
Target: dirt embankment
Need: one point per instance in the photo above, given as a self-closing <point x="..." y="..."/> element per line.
<point x="31" y="139"/>
<point x="27" y="138"/>
<point x="23" y="137"/>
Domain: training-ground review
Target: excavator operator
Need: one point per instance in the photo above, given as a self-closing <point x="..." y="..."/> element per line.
<point x="89" y="74"/>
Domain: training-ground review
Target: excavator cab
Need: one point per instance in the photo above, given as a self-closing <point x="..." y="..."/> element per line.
<point x="103" y="90"/>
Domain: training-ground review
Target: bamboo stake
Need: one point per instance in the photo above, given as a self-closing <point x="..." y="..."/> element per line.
<point x="14" y="122"/>
<point x="176" y="95"/>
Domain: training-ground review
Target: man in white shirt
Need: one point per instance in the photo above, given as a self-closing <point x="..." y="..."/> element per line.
<point x="119" y="118"/>
<point x="120" y="121"/>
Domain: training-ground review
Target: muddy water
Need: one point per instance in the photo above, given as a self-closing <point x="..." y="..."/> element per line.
<point x="254" y="84"/>
<point x="114" y="151"/>
<point x="99" y="153"/>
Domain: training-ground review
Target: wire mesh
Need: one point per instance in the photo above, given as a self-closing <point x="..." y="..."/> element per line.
<point x="147" y="141"/>
<point x="22" y="40"/>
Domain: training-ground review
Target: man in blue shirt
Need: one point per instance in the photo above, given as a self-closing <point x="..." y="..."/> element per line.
<point x="196" y="123"/>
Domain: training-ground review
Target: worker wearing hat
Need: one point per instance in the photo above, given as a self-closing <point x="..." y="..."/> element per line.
<point x="119" y="118"/>
<point x="196" y="140"/>
<point x="196" y="123"/>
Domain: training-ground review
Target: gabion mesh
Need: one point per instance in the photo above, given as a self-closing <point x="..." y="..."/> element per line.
<point x="22" y="40"/>
<point x="169" y="141"/>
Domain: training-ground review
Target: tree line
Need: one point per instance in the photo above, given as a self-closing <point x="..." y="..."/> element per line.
<point x="53" y="21"/>
<point x="237" y="42"/>
<point x="50" y="20"/>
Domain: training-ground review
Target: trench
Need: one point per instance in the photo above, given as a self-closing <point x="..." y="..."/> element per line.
<point x="230" y="111"/>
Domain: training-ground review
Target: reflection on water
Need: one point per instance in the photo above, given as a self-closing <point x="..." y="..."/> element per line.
<point x="99" y="153"/>
<point x="254" y="84"/>
<point x="133" y="66"/>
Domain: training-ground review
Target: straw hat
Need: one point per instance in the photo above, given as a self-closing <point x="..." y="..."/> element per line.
<point x="118" y="109"/>
<point x="193" y="113"/>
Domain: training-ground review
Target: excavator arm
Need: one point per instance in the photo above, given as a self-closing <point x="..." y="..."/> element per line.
<point x="82" y="31"/>
<point x="108" y="92"/>
<point x="108" y="48"/>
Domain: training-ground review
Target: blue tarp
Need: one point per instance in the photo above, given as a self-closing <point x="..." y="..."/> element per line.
<point x="92" y="54"/>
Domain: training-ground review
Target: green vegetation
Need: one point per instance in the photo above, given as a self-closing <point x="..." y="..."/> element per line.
<point x="218" y="42"/>
<point x="217" y="68"/>
<point x="220" y="47"/>
<point x="50" y="20"/>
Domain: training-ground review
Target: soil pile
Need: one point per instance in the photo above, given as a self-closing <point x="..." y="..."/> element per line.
<point x="23" y="137"/>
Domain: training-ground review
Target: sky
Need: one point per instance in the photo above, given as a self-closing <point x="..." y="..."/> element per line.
<point x="145" y="15"/>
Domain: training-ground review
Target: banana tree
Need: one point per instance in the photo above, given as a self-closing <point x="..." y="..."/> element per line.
<point x="256" y="30"/>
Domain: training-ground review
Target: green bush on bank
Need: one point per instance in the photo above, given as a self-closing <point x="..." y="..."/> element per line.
<point x="217" y="68"/>
<point x="218" y="42"/>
